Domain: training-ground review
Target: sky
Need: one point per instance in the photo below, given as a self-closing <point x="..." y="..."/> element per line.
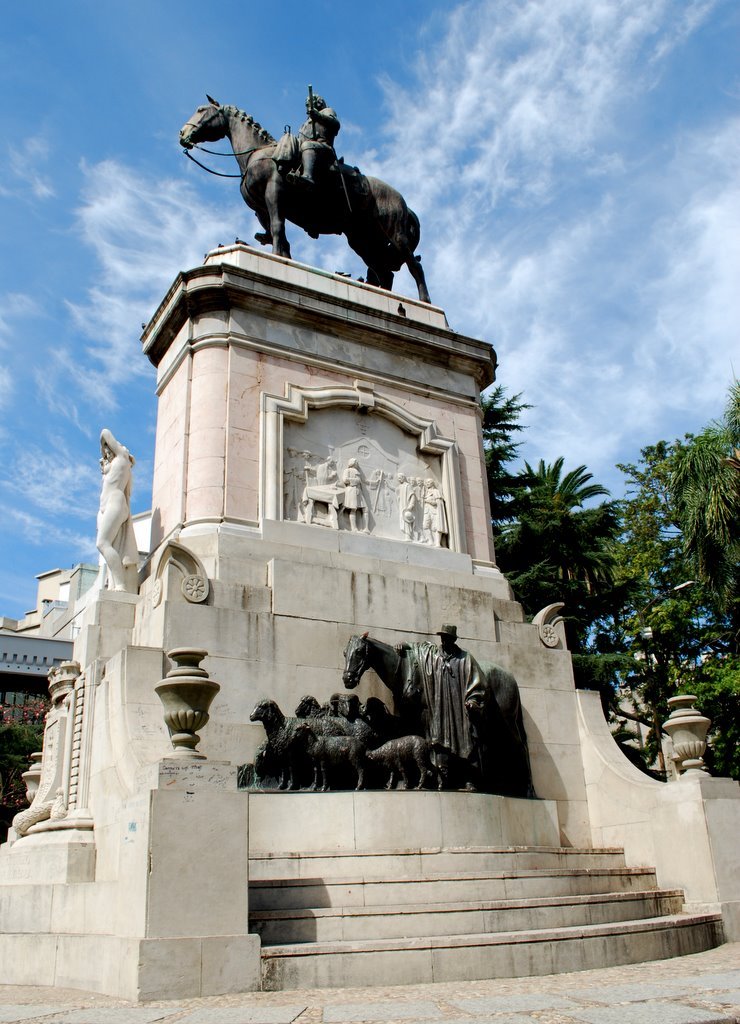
<point x="574" y="164"/>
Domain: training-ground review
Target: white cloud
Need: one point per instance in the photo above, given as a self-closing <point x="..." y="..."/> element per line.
<point x="516" y="87"/>
<point x="6" y="387"/>
<point x="45" y="533"/>
<point x="13" y="306"/>
<point x="54" y="480"/>
<point x="23" y="170"/>
<point x="603" y="271"/>
<point x="143" y="231"/>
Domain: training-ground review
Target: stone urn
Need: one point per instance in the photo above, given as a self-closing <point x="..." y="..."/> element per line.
<point x="186" y="693"/>
<point x="62" y="680"/>
<point x="32" y="776"/>
<point x="688" y="729"/>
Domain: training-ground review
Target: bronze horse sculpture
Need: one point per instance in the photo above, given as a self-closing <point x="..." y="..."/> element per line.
<point x="373" y="216"/>
<point x="507" y="770"/>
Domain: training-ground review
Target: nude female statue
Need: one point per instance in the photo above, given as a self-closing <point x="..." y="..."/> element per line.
<point x="115" y="539"/>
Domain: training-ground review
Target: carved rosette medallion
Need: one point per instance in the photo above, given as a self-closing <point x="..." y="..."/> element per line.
<point x="194" y="584"/>
<point x="548" y="636"/>
<point x="195" y="588"/>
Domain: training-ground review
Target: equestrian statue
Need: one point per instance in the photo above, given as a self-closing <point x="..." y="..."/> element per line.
<point x="300" y="179"/>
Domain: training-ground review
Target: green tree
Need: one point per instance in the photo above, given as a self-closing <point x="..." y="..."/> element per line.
<point x="501" y="443"/>
<point x="705" y="489"/>
<point x="21" y="733"/>
<point x="677" y="634"/>
<point x="560" y="549"/>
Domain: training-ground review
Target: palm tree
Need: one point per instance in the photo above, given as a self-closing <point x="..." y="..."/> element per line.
<point x="559" y="549"/>
<point x="705" y="488"/>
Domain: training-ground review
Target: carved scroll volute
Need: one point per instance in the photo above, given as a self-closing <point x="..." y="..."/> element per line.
<point x="194" y="584"/>
<point x="550" y="625"/>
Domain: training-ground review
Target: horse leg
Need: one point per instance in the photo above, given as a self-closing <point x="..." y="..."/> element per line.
<point x="263" y="237"/>
<point x="381" y="278"/>
<point x="280" y="246"/>
<point x="416" y="271"/>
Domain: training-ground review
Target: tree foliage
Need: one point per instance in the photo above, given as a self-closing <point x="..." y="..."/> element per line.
<point x="501" y="443"/>
<point x="650" y="583"/>
<point x="705" y="491"/>
<point x="559" y="548"/>
<point x="21" y="733"/>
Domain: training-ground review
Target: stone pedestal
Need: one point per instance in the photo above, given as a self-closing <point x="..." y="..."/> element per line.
<point x="688" y="829"/>
<point x="273" y="378"/>
<point x="319" y="473"/>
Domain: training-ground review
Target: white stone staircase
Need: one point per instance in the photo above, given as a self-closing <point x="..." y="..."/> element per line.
<point x="347" y="918"/>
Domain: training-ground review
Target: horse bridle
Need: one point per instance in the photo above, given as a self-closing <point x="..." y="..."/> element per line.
<point x="363" y="647"/>
<point x="213" y="152"/>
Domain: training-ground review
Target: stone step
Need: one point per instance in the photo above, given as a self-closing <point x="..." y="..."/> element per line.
<point x="462" y="887"/>
<point x="359" y="923"/>
<point x="425" y="861"/>
<point x="469" y="957"/>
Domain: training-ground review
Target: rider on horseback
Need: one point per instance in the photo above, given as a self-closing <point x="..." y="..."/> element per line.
<point x="316" y="141"/>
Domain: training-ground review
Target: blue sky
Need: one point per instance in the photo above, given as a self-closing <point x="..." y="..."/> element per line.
<point x="574" y="163"/>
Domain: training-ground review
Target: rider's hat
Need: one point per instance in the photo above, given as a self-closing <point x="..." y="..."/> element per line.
<point x="448" y="630"/>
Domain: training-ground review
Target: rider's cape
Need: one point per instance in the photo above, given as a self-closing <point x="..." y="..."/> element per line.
<point x="287" y="152"/>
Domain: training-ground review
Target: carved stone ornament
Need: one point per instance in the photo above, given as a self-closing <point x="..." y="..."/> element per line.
<point x="688" y="729"/>
<point x="350" y="459"/>
<point x="546" y="621"/>
<point x="195" y="586"/>
<point x="54" y="775"/>
<point x="186" y="693"/>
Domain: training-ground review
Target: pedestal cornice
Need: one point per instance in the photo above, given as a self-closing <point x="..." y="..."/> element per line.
<point x="237" y="278"/>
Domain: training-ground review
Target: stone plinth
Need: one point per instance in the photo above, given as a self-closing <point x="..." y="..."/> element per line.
<point x="319" y="473"/>
<point x="258" y="357"/>
<point x="688" y="829"/>
<point x="272" y="379"/>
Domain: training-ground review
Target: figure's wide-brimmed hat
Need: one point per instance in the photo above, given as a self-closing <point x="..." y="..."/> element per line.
<point x="448" y="630"/>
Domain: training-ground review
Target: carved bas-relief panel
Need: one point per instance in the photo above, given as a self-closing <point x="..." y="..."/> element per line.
<point x="348" y="459"/>
<point x="60" y="800"/>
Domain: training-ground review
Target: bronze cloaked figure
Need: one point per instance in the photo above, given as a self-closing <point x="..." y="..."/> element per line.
<point x="469" y="711"/>
<point x="302" y="181"/>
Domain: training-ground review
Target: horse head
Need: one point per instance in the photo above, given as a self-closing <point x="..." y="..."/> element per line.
<point x="356" y="660"/>
<point x="207" y="124"/>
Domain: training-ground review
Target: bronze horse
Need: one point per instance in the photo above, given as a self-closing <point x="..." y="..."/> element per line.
<point x="507" y="770"/>
<point x="378" y="224"/>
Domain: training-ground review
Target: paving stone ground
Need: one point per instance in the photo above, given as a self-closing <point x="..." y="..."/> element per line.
<point x="700" y="989"/>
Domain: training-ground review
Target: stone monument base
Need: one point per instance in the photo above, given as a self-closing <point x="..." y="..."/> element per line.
<point x="410" y="888"/>
<point x="319" y="479"/>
